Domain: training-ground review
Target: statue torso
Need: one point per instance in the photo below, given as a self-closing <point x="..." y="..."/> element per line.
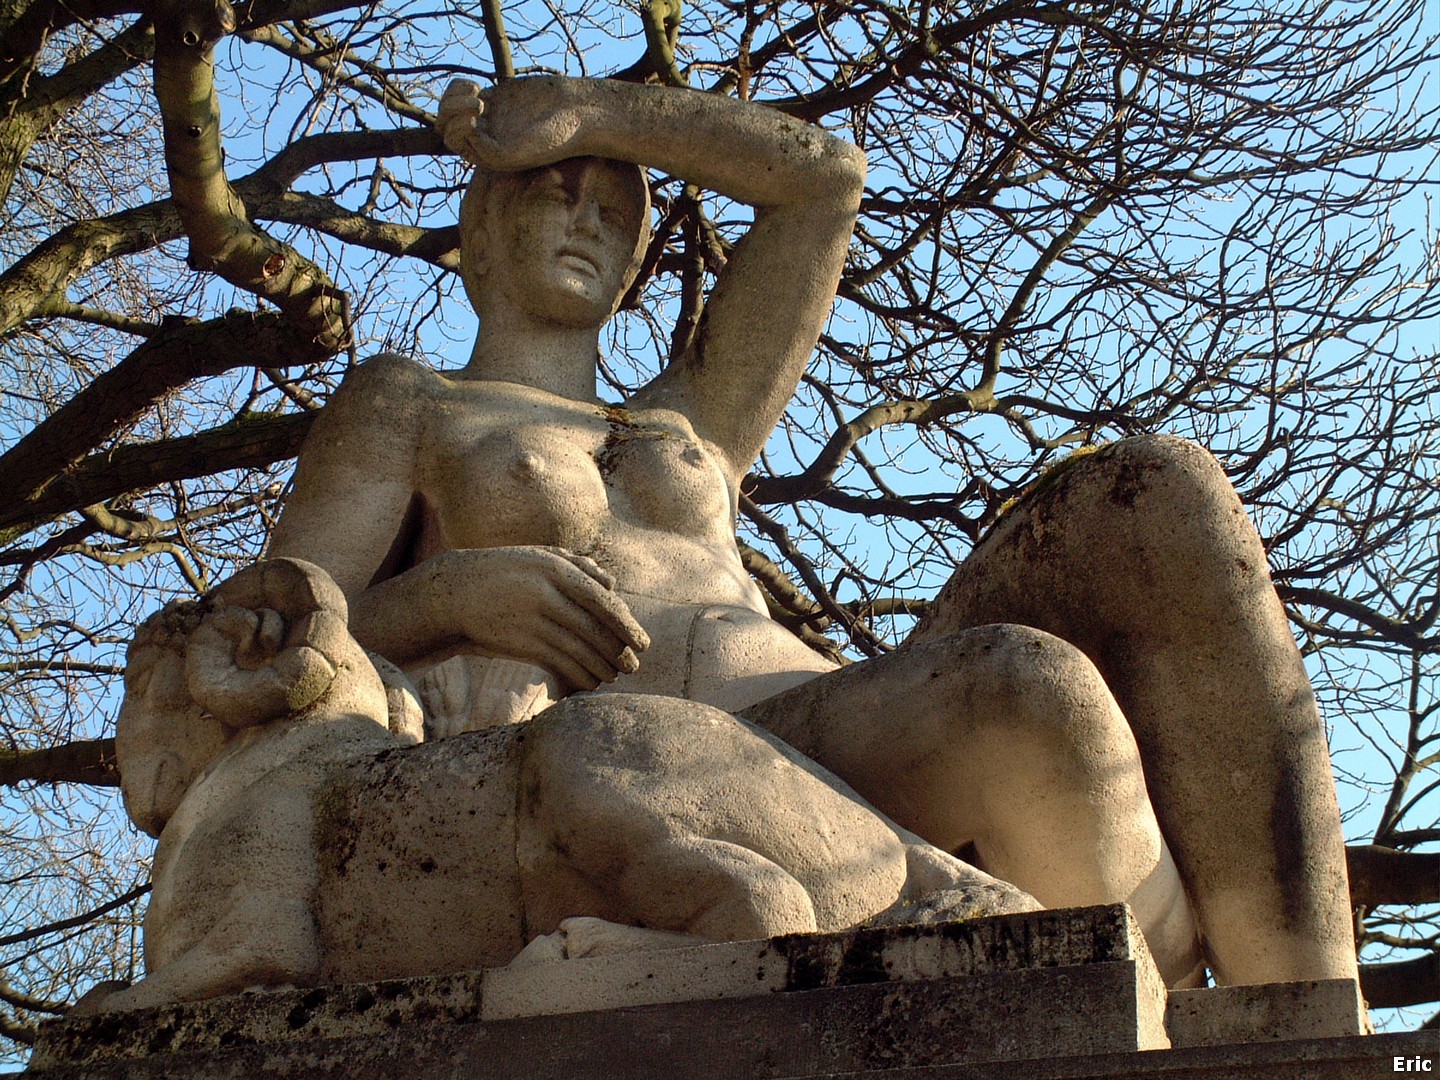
<point x="499" y="464"/>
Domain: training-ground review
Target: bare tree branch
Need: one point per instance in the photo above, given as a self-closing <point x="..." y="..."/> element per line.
<point x="110" y="403"/>
<point x="252" y="441"/>
<point x="1404" y="982"/>
<point x="90" y="762"/>
<point x="1381" y="875"/>
<point x="222" y="237"/>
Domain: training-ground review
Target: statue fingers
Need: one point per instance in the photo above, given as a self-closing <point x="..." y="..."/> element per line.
<point x="556" y="652"/>
<point x="608" y="655"/>
<point x="515" y="124"/>
<point x="605" y="605"/>
<point x="581" y="654"/>
<point x="460" y="107"/>
<point x="586" y="565"/>
<point x="323" y="631"/>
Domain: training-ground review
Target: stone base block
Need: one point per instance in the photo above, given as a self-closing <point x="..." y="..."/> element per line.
<point x="1041" y="940"/>
<point x="1018" y="1014"/>
<point x="1413" y="1054"/>
<point x="1037" y="985"/>
<point x="1221" y="1015"/>
<point x="1028" y="997"/>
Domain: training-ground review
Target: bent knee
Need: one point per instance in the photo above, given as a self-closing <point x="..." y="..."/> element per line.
<point x="1162" y="477"/>
<point x="1025" y="682"/>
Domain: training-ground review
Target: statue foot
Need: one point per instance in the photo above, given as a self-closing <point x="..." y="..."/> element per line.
<point x="270" y="642"/>
<point x="942" y="888"/>
<point x="95" y="1000"/>
<point x="583" y="936"/>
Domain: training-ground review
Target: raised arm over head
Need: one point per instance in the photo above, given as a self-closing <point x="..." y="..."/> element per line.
<point x="771" y="300"/>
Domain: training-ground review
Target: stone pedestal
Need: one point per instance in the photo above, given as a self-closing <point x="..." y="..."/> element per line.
<point x="1044" y="995"/>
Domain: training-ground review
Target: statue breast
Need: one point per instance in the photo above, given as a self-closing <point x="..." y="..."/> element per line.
<point x="520" y="484"/>
<point x="661" y="475"/>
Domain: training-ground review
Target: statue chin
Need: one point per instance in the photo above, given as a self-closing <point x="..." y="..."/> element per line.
<point x="153" y="795"/>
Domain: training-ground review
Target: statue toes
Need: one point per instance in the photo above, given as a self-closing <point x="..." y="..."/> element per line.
<point x="244" y="668"/>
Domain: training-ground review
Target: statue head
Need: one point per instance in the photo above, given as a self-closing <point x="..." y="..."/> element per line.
<point x="564" y="241"/>
<point x="163" y="739"/>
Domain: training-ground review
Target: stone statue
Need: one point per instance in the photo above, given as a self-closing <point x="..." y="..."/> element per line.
<point x="1105" y="703"/>
<point x="306" y="839"/>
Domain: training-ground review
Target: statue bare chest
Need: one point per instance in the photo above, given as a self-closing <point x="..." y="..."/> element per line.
<point x="555" y="472"/>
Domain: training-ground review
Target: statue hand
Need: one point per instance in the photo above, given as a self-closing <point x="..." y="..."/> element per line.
<point x="549" y="607"/>
<point x="460" y="108"/>
<point x="517" y="124"/>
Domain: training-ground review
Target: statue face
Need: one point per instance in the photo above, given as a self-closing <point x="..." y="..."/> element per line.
<point x="564" y="242"/>
<point x="163" y="740"/>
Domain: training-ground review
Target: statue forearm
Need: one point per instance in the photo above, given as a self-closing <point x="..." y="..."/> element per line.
<point x="405" y="618"/>
<point x="742" y="150"/>
<point x="538" y="605"/>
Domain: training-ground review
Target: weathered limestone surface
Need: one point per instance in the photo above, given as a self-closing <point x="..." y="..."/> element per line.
<point x="319" y="848"/>
<point x="1270" y="1013"/>
<point x="1025" y="986"/>
<point x="546" y="588"/>
<point x="1039" y="940"/>
<point x="1039" y="995"/>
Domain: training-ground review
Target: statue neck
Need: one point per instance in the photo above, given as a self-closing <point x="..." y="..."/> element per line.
<point x="558" y="359"/>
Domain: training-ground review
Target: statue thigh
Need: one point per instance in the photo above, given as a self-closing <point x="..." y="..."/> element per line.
<point x="1002" y="737"/>
<point x="1141" y="555"/>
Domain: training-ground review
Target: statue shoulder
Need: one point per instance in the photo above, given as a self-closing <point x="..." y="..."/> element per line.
<point x="375" y="417"/>
<point x="389" y="381"/>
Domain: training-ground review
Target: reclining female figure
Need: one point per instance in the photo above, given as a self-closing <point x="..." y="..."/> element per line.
<point x="1106" y="703"/>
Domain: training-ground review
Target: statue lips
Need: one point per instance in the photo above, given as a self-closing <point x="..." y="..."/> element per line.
<point x="571" y="254"/>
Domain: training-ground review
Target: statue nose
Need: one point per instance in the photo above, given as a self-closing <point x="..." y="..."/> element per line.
<point x="586" y="218"/>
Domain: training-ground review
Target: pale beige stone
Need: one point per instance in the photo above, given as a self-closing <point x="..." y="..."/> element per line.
<point x="1105" y="704"/>
<point x="1026" y="988"/>
<point x="1222" y="1015"/>
<point x="550" y="980"/>
<point x="319" y="847"/>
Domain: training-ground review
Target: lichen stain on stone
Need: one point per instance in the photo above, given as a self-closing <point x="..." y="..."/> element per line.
<point x="808" y="968"/>
<point x="305" y="1009"/>
<point x="622" y="434"/>
<point x="863" y="961"/>
<point x="1051" y="481"/>
<point x="334" y="832"/>
<point x="1295" y="844"/>
<point x="617" y="415"/>
<point x="1131" y="481"/>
